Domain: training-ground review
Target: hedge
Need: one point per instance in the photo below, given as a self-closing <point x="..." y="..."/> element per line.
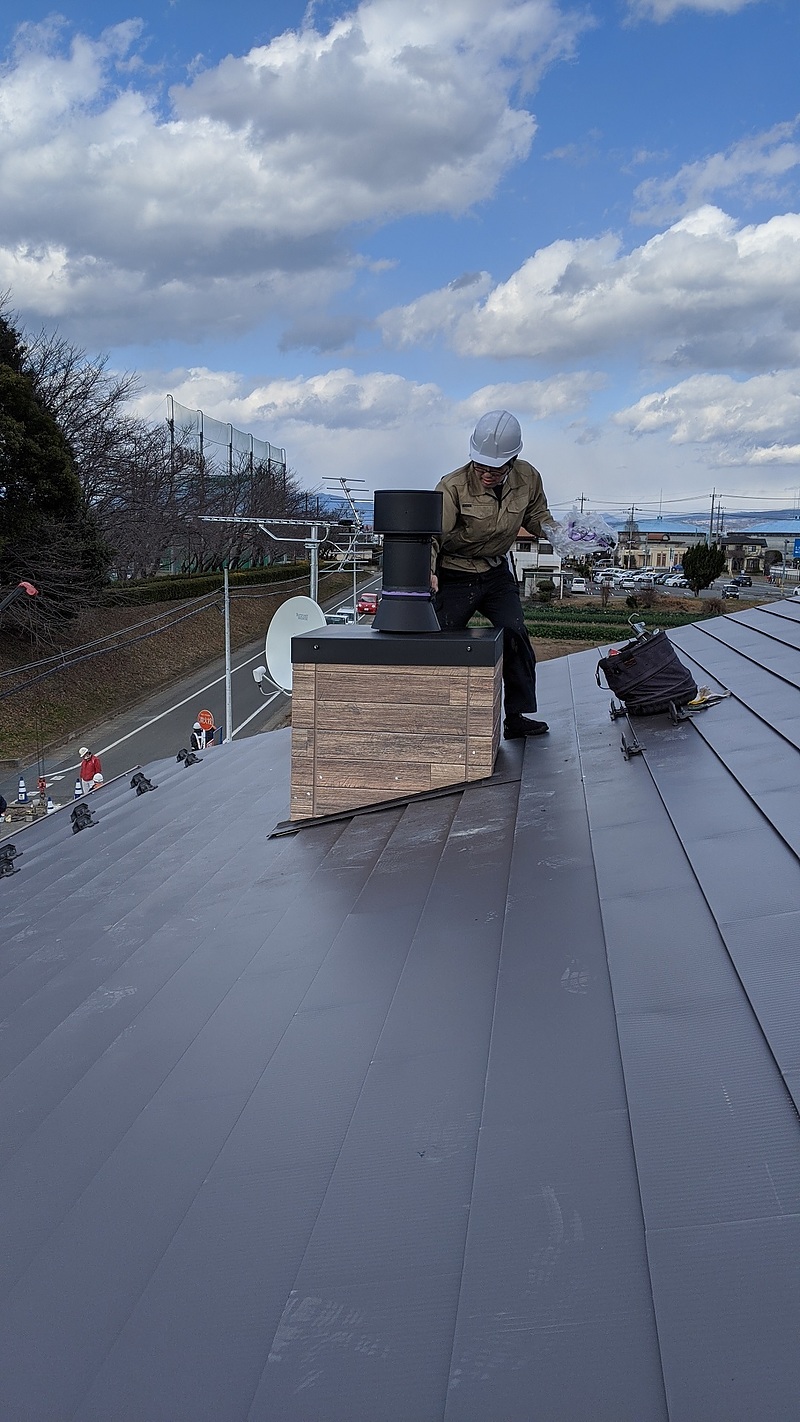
<point x="182" y="586"/>
<point x="618" y="616"/>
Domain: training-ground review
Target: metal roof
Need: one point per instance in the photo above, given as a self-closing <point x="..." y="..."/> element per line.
<point x="672" y="525"/>
<point x="483" y="1108"/>
<point x="788" y="527"/>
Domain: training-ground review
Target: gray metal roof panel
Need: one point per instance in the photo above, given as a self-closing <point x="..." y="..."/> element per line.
<point x="357" y="1096"/>
<point x="555" y="1160"/>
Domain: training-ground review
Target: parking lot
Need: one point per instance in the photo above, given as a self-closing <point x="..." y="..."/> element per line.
<point x="760" y="591"/>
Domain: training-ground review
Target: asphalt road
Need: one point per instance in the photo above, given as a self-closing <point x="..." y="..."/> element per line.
<point x="162" y="725"/>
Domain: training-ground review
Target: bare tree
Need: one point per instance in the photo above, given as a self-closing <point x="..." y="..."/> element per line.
<point x="88" y="402"/>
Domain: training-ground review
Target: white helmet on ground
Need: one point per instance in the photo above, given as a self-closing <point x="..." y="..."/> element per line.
<point x="496" y="439"/>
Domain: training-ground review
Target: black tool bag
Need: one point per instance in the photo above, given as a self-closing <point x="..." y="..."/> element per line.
<point x="647" y="675"/>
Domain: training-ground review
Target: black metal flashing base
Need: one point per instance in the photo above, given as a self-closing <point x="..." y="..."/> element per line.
<point x="353" y="644"/>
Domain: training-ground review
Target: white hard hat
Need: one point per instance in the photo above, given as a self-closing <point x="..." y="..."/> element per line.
<point x="84" y="750"/>
<point x="197" y="726"/>
<point x="496" y="439"/>
<point x="97" y="779"/>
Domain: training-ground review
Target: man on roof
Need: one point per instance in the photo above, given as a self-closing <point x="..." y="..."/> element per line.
<point x="485" y="503"/>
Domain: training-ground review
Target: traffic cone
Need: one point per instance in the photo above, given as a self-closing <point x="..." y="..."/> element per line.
<point x="51" y="809"/>
<point x="78" y="789"/>
<point x="22" y="792"/>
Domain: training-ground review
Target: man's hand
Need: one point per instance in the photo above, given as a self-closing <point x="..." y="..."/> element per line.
<point x="434" y="584"/>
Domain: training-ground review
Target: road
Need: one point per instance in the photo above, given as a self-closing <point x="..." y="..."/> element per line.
<point x="161" y="725"/>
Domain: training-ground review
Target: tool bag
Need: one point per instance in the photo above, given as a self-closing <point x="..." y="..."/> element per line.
<point x="647" y="675"/>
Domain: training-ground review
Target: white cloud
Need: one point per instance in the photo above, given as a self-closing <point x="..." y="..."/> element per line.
<point x="706" y="292"/>
<point x="749" y="422"/>
<point x="754" y="168"/>
<point x="661" y="10"/>
<point x="344" y="399"/>
<point x="541" y="399"/>
<point x="377" y="426"/>
<point x="263" y="161"/>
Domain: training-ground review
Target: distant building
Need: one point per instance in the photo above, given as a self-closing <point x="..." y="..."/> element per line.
<point x="763" y="546"/>
<point x="533" y="560"/>
<point x="658" y="543"/>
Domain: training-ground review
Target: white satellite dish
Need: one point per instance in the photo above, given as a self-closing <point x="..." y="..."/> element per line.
<point x="299" y="614"/>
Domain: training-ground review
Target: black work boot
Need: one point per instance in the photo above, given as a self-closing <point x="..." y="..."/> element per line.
<point x="516" y="726"/>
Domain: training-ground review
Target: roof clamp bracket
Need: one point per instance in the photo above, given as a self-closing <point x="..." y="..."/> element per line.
<point x="141" y="784"/>
<point x="188" y="757"/>
<point x="615" y="710"/>
<point x="82" y="818"/>
<point x="8" y="854"/>
<point x="632" y="747"/>
<point x="678" y="714"/>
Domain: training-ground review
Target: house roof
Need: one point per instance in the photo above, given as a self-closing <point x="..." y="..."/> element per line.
<point x="477" y="1108"/>
<point x="676" y="527"/>
<point x="782" y="527"/>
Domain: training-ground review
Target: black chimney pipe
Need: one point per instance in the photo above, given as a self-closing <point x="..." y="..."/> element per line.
<point x="408" y="520"/>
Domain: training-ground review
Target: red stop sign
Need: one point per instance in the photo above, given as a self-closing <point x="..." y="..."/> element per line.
<point x="206" y="720"/>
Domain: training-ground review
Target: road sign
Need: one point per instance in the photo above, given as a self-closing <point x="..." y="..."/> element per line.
<point x="206" y="720"/>
<point x="796" y="553"/>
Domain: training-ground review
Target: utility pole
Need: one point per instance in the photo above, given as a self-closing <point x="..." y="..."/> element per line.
<point x="228" y="695"/>
<point x="313" y="549"/>
<point x="711" y="523"/>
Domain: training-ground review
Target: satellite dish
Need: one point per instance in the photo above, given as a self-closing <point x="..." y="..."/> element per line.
<point x="299" y="614"/>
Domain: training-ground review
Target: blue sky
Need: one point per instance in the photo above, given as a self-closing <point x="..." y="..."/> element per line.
<point x="351" y="230"/>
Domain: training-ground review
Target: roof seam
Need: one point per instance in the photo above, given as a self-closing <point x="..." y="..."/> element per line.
<point x="619" y="1045"/>
<point x="708" y="903"/>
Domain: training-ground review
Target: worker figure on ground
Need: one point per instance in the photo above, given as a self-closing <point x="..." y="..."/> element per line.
<point x="485" y="504"/>
<point x="91" y="771"/>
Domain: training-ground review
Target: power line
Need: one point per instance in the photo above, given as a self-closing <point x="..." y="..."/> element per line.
<point x="66" y="665"/>
<point x="98" y="641"/>
<point x="67" y="660"/>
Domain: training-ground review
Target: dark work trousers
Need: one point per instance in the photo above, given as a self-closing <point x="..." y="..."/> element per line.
<point x="494" y="594"/>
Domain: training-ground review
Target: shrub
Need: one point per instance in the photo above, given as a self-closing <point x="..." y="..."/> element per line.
<point x="183" y="586"/>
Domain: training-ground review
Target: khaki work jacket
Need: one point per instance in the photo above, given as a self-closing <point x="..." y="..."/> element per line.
<point x="478" y="529"/>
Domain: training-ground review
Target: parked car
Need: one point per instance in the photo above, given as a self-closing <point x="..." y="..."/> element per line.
<point x="676" y="580"/>
<point x="367" y="604"/>
<point x="347" y="613"/>
<point x="742" y="580"/>
<point x="796" y="591"/>
<point x="579" y="585"/>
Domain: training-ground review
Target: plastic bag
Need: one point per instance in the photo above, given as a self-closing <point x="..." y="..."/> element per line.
<point x="580" y="533"/>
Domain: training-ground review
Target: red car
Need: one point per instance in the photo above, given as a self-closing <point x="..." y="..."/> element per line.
<point x="367" y="604"/>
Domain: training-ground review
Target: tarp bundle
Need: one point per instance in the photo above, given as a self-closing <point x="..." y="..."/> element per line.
<point x="647" y="675"/>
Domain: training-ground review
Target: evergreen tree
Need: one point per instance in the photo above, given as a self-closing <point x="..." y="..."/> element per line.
<point x="702" y="564"/>
<point x="46" y="532"/>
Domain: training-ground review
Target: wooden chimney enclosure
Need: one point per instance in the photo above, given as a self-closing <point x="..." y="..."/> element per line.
<point x="380" y="715"/>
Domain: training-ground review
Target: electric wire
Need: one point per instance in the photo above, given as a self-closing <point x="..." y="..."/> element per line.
<point x="66" y="661"/>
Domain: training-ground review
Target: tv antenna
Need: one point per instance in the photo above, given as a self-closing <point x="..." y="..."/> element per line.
<point x="357" y="537"/>
<point x="318" y="535"/>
